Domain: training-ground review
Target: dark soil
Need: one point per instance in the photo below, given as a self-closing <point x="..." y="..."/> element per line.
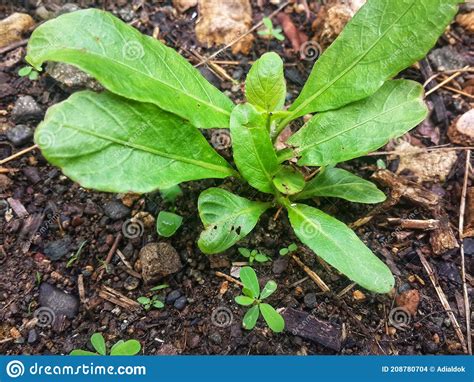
<point x="61" y="210"/>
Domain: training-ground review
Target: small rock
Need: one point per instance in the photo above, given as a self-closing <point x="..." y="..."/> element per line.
<point x="466" y="20"/>
<point x="461" y="131"/>
<point x="116" y="210"/>
<point x="20" y="135"/>
<point x="5" y="183"/>
<point x="409" y="300"/>
<point x="58" y="301"/>
<point x="173" y="296"/>
<point x="429" y="347"/>
<point x="215" y="338"/>
<point x="26" y="109"/>
<point x="358" y="295"/>
<point x="449" y="271"/>
<point x="32" y="336"/>
<point x="67" y="8"/>
<point x="71" y="78"/>
<point x="280" y="265"/>
<point x="180" y="303"/>
<point x="158" y="260"/>
<point x="183" y="5"/>
<point x="32" y="174"/>
<point x="57" y="249"/>
<point x="310" y="300"/>
<point x="131" y="283"/>
<point x="447" y="58"/>
<point x="469" y="246"/>
<point x="219" y="261"/>
<point x="13" y="27"/>
<point x="43" y="13"/>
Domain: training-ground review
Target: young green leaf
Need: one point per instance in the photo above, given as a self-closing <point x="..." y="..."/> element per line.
<point x="244" y="252"/>
<point x="265" y="86"/>
<point x="170" y="194"/>
<point x="270" y="287"/>
<point x="98" y="342"/>
<point x="261" y="258"/>
<point x="109" y="143"/>
<point x="383" y="38"/>
<point x="158" y="304"/>
<point x="339" y="183"/>
<point x="117" y="344"/>
<point x="251" y="317"/>
<point x="250" y="280"/>
<point x="24" y="71"/>
<point x="289" y="181"/>
<point x="143" y="300"/>
<point x="130" y="64"/>
<point x="130" y="347"/>
<point x="339" y="246"/>
<point x="227" y="218"/>
<point x="253" y="149"/>
<point x="244" y="300"/>
<point x="361" y="127"/>
<point x="273" y="319"/>
<point x="80" y="352"/>
<point x="247" y="292"/>
<point x="168" y="223"/>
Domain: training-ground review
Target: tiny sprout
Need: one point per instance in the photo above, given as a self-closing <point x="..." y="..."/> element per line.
<point x="150" y="302"/>
<point x="253" y="255"/>
<point x="290" y="249"/>
<point x="28" y="71"/>
<point x="130" y="347"/>
<point x="270" y="31"/>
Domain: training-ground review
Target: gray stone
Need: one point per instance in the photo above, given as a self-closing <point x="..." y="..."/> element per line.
<point x="32" y="336"/>
<point x="158" y="260"/>
<point x="116" y="210"/>
<point x="20" y="135"/>
<point x="180" y="303"/>
<point x="71" y="78"/>
<point x="57" y="249"/>
<point x="131" y="283"/>
<point x="58" y="301"/>
<point x="26" y="109"/>
<point x="311" y="300"/>
<point x="215" y="338"/>
<point x="67" y="8"/>
<point x="173" y="296"/>
<point x="447" y="58"/>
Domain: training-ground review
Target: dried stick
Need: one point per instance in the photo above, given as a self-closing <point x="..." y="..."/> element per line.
<point x="462" y="210"/>
<point x="313" y="276"/>
<point x="229" y="278"/>
<point x="426" y="225"/>
<point x="18" y="154"/>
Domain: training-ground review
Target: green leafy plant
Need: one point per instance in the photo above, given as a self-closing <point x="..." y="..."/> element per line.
<point x="253" y="297"/>
<point x="287" y="250"/>
<point x="254" y="255"/>
<point x="168" y="223"/>
<point x="151" y="302"/>
<point x="130" y="347"/>
<point x="142" y="134"/>
<point x="28" y="71"/>
<point x="270" y="31"/>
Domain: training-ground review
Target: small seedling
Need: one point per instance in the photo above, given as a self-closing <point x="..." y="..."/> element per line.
<point x="254" y="255"/>
<point x="159" y="287"/>
<point x="130" y="347"/>
<point x="150" y="302"/>
<point x="168" y="223"/>
<point x="253" y="297"/>
<point x="30" y="72"/>
<point x="290" y="249"/>
<point x="270" y="31"/>
<point x="76" y="256"/>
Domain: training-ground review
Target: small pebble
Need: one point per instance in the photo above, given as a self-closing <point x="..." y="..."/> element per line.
<point x="310" y="300"/>
<point x="180" y="303"/>
<point x="20" y="135"/>
<point x="173" y="296"/>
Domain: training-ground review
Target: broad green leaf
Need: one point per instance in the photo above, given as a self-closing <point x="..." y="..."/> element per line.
<point x="361" y="127"/>
<point x="80" y="352"/>
<point x="339" y="183"/>
<point x="109" y="143"/>
<point x="253" y="149"/>
<point x="383" y="38"/>
<point x="273" y="319"/>
<point x="130" y="347"/>
<point x="270" y="287"/>
<point x="227" y="218"/>
<point x="98" y="342"/>
<point x="250" y="281"/>
<point x="265" y="85"/>
<point x="339" y="246"/>
<point x="247" y="292"/>
<point x="251" y="317"/>
<point x="244" y="300"/>
<point x="130" y="64"/>
<point x="118" y="343"/>
<point x="289" y="181"/>
<point x="168" y="223"/>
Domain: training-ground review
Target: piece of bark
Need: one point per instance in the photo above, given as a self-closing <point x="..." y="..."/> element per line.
<point x="307" y="326"/>
<point x="442" y="239"/>
<point x="426" y="225"/>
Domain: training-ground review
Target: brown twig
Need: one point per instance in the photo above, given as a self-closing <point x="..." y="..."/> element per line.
<point x="462" y="210"/>
<point x="13" y="46"/>
<point x="313" y="276"/>
<point x="117" y="298"/>
<point x="426" y="225"/>
<point x="229" y="278"/>
<point x="18" y="154"/>
<point x="443" y="299"/>
<point x="110" y="254"/>
<point x="442" y="83"/>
